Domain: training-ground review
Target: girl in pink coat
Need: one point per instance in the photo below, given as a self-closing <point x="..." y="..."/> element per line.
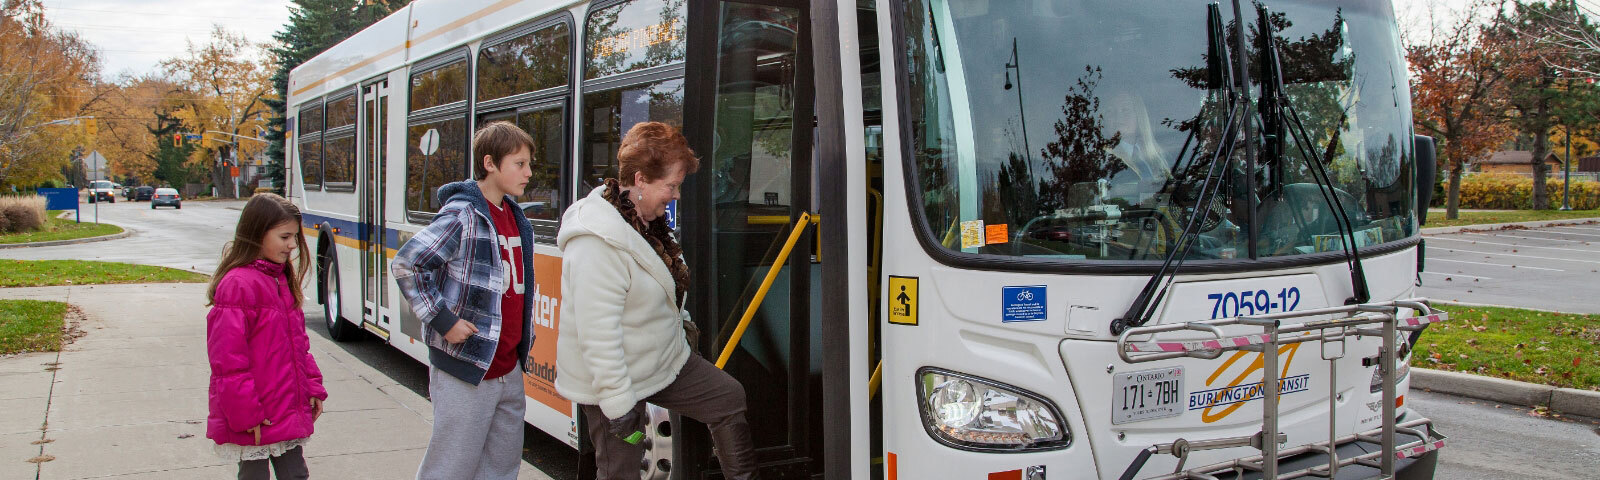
<point x="266" y="390"/>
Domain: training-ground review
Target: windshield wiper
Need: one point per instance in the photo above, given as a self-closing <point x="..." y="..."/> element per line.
<point x="1218" y="68"/>
<point x="1278" y="116"/>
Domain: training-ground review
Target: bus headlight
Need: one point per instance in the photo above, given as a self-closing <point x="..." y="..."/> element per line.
<point x="974" y="413"/>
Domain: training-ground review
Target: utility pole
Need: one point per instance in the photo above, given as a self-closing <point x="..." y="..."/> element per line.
<point x="1566" y="177"/>
<point x="1566" y="167"/>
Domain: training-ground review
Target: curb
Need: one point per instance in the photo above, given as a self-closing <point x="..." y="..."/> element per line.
<point x="1565" y="400"/>
<point x="1498" y="226"/>
<point x="125" y="234"/>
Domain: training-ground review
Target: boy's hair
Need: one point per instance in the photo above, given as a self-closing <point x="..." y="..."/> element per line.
<point x="497" y="140"/>
<point x="651" y="147"/>
<point x="261" y="214"/>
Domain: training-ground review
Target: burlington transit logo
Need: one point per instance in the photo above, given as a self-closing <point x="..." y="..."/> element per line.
<point x="1222" y="400"/>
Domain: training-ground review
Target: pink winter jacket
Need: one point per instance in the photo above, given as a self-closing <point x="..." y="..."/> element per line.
<point x="261" y="365"/>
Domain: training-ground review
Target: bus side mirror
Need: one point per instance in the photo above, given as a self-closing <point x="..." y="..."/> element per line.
<point x="1427" y="174"/>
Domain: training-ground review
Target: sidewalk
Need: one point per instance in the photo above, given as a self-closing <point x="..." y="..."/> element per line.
<point x="128" y="399"/>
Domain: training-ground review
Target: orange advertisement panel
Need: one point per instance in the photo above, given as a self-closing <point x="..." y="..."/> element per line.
<point x="539" y="383"/>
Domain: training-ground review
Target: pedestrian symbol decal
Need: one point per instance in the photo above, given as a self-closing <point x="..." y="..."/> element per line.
<point x="903" y="308"/>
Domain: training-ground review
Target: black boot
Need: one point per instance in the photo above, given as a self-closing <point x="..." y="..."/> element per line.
<point x="735" y="450"/>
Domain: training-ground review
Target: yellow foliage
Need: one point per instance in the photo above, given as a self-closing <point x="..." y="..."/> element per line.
<point x="46" y="77"/>
<point x="225" y="91"/>
<point x="1507" y="192"/>
<point x="126" y="113"/>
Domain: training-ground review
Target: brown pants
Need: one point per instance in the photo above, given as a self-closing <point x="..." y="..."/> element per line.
<point x="701" y="392"/>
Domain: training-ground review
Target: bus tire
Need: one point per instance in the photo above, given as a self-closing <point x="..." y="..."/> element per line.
<point x="339" y="330"/>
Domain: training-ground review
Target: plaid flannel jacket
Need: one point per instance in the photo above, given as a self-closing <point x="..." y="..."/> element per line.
<point x="451" y="270"/>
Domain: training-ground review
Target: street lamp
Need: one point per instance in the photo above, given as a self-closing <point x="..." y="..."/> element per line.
<point x="1022" y="111"/>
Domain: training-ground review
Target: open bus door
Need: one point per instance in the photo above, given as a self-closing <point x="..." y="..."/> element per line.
<point x="750" y="118"/>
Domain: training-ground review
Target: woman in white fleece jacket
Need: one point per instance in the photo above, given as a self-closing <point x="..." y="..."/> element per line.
<point x="623" y="283"/>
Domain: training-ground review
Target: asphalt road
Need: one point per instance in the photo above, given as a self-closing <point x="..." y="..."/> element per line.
<point x="1551" y="268"/>
<point x="191" y="238"/>
<point x="1490" y="441"/>
<point x="1554" y="269"/>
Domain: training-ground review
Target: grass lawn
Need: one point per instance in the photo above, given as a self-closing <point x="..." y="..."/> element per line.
<point x="30" y="326"/>
<point x="61" y="229"/>
<point x="43" y="273"/>
<point x="1557" y="349"/>
<point x="1436" y="217"/>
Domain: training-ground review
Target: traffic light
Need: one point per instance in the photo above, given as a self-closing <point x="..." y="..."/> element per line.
<point x="177" y="140"/>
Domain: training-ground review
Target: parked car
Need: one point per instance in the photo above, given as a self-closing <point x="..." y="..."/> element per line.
<point x="143" y="193"/>
<point x="166" y="196"/>
<point x="102" y="190"/>
<point x="127" y="192"/>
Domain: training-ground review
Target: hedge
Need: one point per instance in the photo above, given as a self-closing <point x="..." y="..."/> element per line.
<point x="1499" y="191"/>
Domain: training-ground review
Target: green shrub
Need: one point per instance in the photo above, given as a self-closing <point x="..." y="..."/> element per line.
<point x="1515" y="192"/>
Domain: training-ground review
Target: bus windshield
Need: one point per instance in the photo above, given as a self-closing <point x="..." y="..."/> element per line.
<point x="1083" y="130"/>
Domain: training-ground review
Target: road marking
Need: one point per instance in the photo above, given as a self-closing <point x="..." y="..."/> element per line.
<point x="1519" y="255"/>
<point x="1525" y="238"/>
<point x="1493" y="264"/>
<point x="1460" y="275"/>
<point x="1569" y="233"/>
<point x="1518" y="246"/>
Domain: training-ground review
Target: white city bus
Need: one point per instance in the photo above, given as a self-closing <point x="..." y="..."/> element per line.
<point x="1210" y="198"/>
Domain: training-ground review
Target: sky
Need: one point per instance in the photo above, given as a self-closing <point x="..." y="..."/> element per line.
<point x="135" y="35"/>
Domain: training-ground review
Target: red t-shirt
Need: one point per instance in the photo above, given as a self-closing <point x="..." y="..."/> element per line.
<point x="510" y="240"/>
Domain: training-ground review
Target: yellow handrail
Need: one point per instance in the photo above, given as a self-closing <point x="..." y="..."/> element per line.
<point x="761" y="294"/>
<point x="876" y="380"/>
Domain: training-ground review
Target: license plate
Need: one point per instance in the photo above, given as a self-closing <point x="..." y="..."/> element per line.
<point x="1146" y="395"/>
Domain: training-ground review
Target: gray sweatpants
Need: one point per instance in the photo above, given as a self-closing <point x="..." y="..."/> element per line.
<point x="477" y="429"/>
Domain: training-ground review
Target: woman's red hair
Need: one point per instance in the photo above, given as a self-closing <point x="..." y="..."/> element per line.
<point x="652" y="148"/>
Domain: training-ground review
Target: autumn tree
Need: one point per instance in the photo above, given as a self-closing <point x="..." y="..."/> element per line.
<point x="44" y="78"/>
<point x="314" y="25"/>
<point x="1081" y="151"/>
<point x="1457" y="97"/>
<point x="128" y="113"/>
<point x="224" y="84"/>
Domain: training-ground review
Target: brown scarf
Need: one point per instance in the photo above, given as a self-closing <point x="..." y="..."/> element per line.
<point x="660" y="238"/>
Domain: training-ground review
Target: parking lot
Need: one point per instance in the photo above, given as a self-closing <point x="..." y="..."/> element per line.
<point x="1549" y="268"/>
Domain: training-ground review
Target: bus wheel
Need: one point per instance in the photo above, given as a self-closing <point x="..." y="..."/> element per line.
<point x="657" y="464"/>
<point x="339" y="331"/>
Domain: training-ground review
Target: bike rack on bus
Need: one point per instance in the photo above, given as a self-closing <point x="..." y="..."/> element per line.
<point x="1366" y="320"/>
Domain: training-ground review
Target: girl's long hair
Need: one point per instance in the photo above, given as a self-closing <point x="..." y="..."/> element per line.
<point x="263" y="212"/>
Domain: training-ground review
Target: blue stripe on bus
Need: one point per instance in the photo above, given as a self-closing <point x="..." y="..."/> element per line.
<point x="351" y="230"/>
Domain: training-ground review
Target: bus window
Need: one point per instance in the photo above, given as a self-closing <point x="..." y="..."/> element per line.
<point x="634" y="35"/>
<point x="1023" y="149"/>
<point x="436" y="131"/>
<point x="609" y="114"/>
<point x="436" y="154"/>
<point x="543" y="195"/>
<point x="542" y="200"/>
<point x="310" y="126"/>
<point x="529" y="63"/>
<point x="339" y="144"/>
<point x="439" y="86"/>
